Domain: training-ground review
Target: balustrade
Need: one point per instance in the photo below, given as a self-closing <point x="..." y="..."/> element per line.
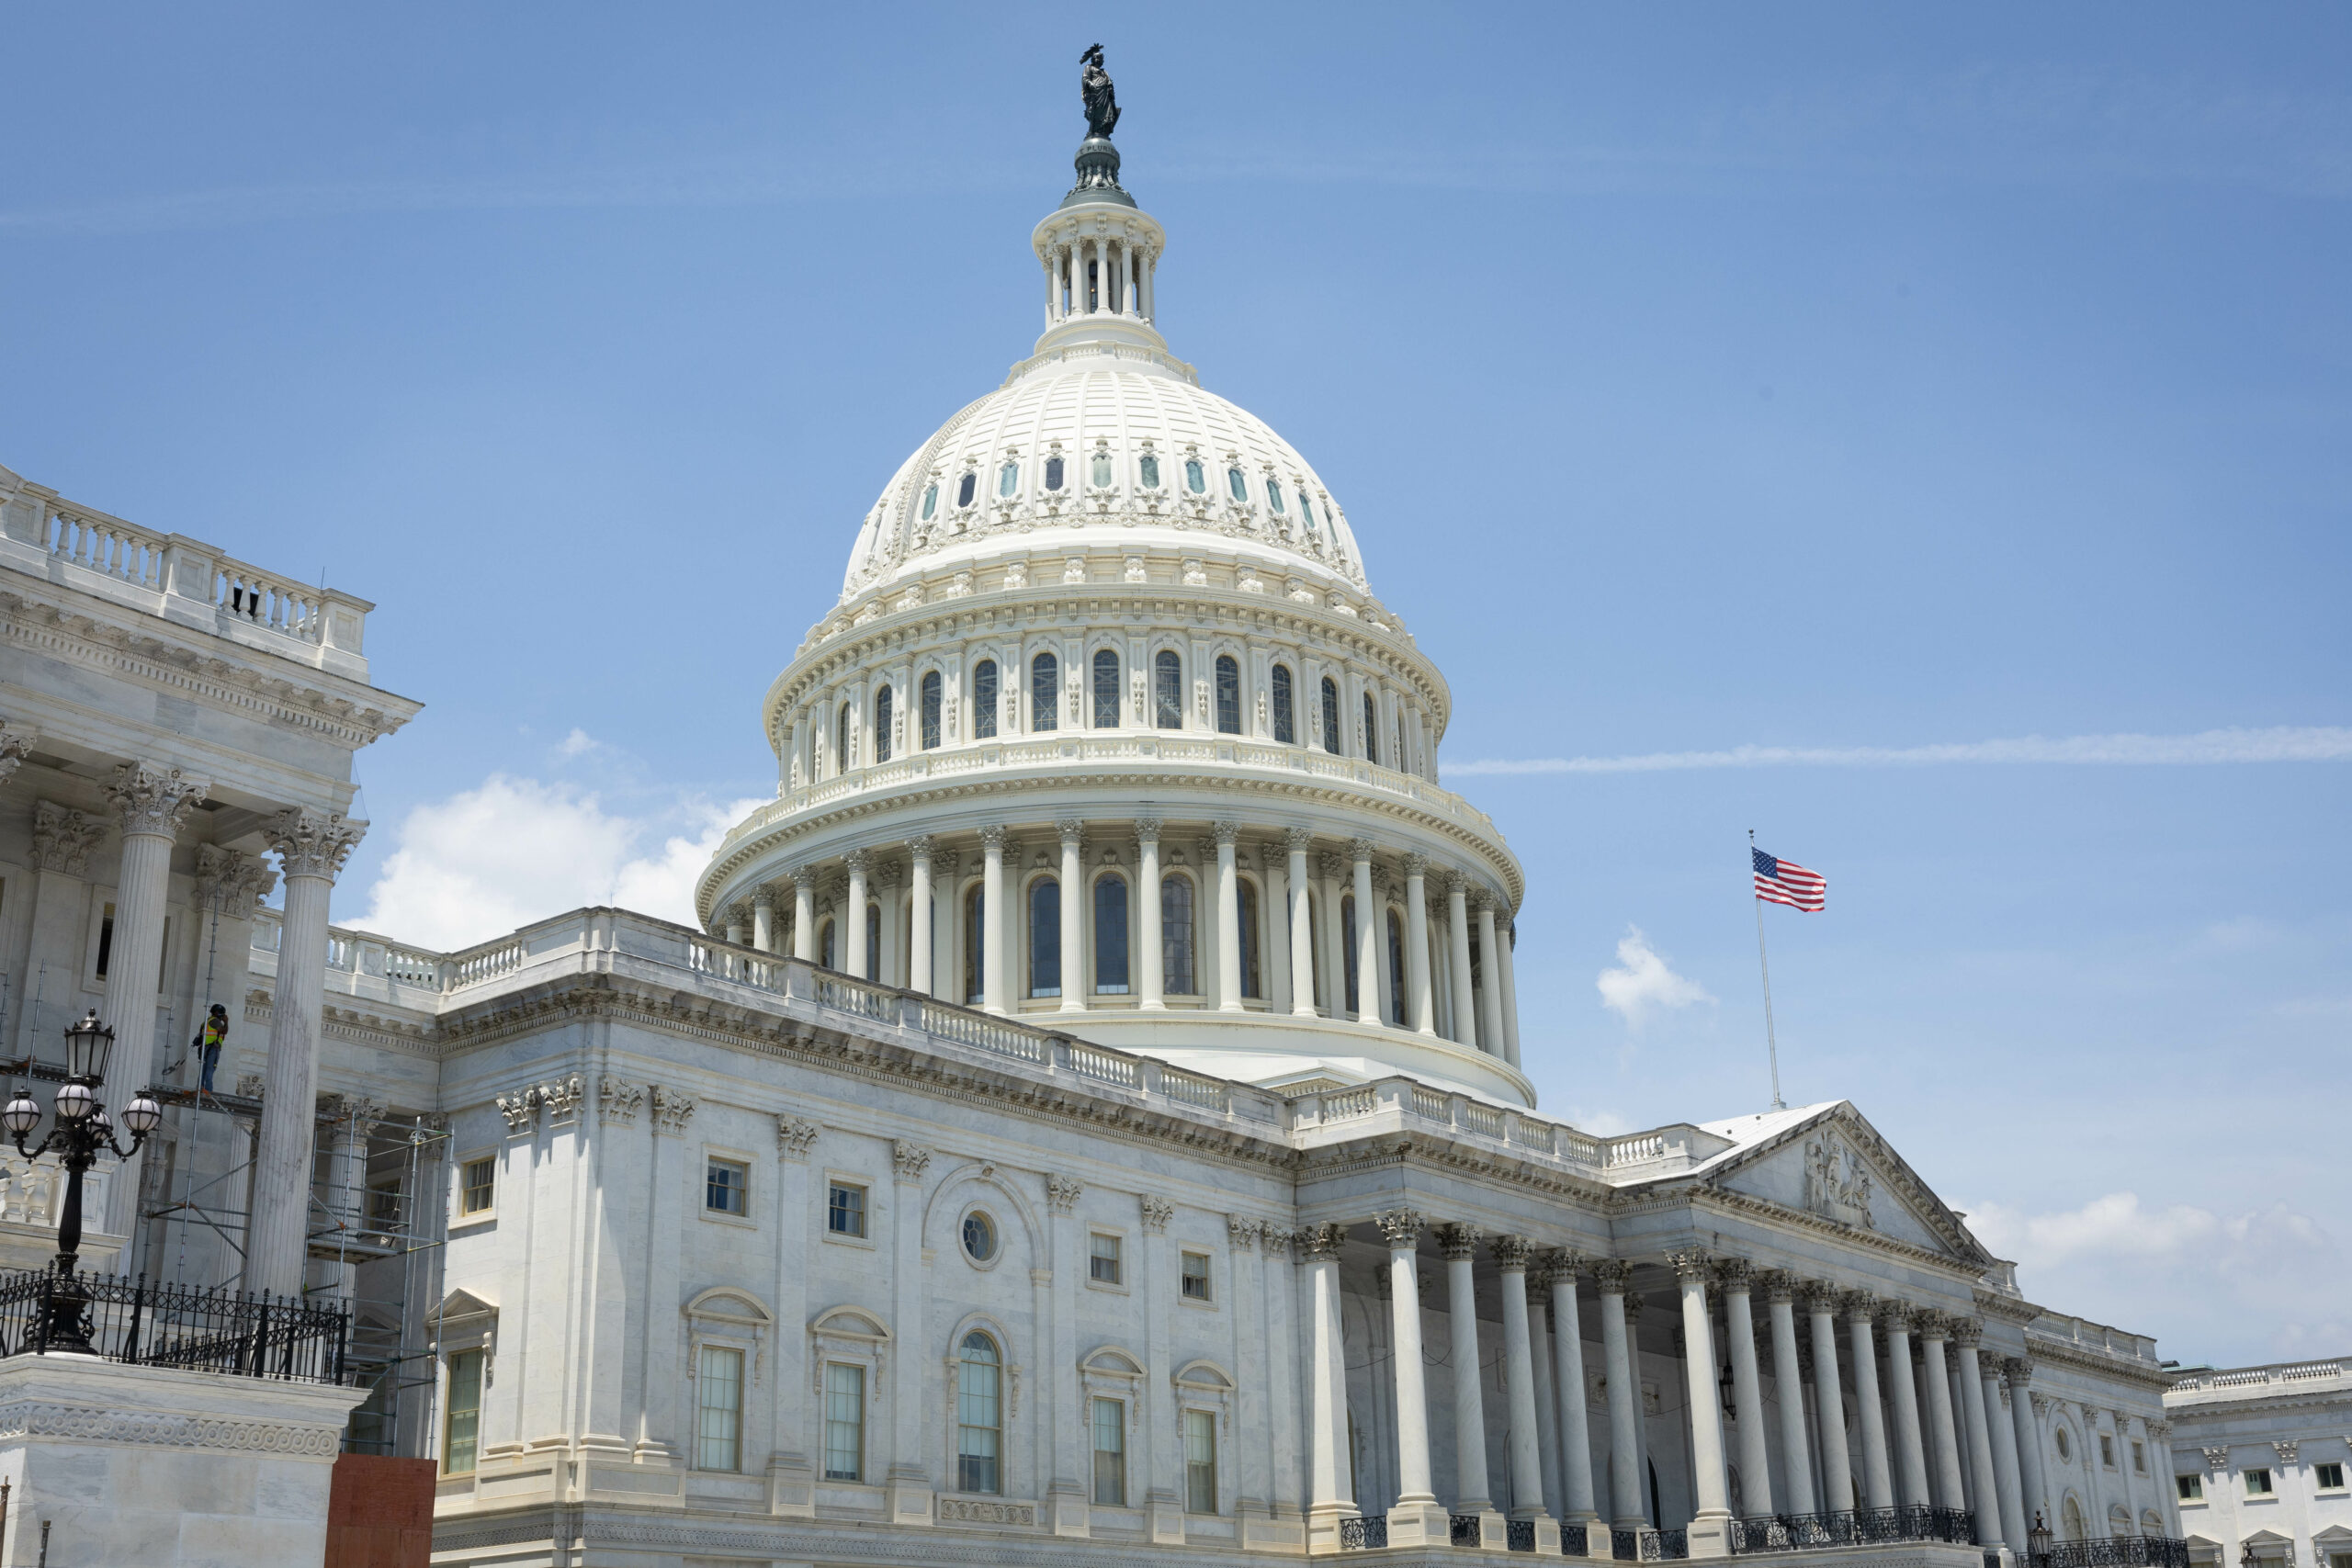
<point x="1851" y="1526"/>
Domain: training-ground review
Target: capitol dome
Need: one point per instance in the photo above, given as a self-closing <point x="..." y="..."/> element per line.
<point x="1108" y="734"/>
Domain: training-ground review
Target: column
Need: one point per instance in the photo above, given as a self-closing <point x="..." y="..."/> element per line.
<point x="2122" y="1467"/>
<point x="2005" y="1453"/>
<point x="150" y="804"/>
<point x="1836" y="1471"/>
<point x="1368" y="923"/>
<point x="1331" y="937"/>
<point x="311" y="847"/>
<point x="1228" y="923"/>
<point x="921" y="975"/>
<point x="358" y="1117"/>
<point x="1150" y="958"/>
<point x="1150" y="272"/>
<point x="2035" y="1500"/>
<point x="763" y="919"/>
<point x="1417" y="1519"/>
<point x="1709" y="1529"/>
<point x="1625" y="1399"/>
<point x="1330" y="1482"/>
<point x="1460" y="1245"/>
<point x="1747" y="1388"/>
<point x="1302" y="926"/>
<point x="1788" y="1385"/>
<point x="1878" y="1484"/>
<point x="1510" y="994"/>
<point x="1519" y="1369"/>
<point x="1568" y="1390"/>
<point x="887" y="895"/>
<point x="1490" y="995"/>
<point x="1075" y="985"/>
<point x="1277" y="933"/>
<point x="853" y="946"/>
<point x="1910" y="1453"/>
<point x="1457" y="909"/>
<point x="993" y="919"/>
<point x="1943" y="1430"/>
<point x="1966" y="1336"/>
<point x="1419" y="1007"/>
<point x="804" y="913"/>
<point x="907" y="1494"/>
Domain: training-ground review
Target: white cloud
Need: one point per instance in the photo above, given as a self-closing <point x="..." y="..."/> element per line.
<point x="516" y="849"/>
<point x="1646" y="983"/>
<point x="577" y="741"/>
<point x="2211" y="747"/>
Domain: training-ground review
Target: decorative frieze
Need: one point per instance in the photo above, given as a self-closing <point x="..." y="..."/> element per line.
<point x="89" y="1424"/>
<point x="16" y="745"/>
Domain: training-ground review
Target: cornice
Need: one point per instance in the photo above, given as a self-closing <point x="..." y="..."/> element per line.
<point x="2047" y="1352"/>
<point x="1707" y="1195"/>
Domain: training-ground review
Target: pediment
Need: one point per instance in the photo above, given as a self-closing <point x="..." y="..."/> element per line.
<point x="460" y="1306"/>
<point x="1831" y="1164"/>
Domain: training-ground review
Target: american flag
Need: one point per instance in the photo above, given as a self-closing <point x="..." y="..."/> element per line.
<point x="1785" y="881"/>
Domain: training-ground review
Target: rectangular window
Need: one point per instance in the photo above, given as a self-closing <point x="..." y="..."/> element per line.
<point x="726" y="1187"/>
<point x="461" y="1432"/>
<point x="844" y="1422"/>
<point x="845" y="1210"/>
<point x="2139" y="1456"/>
<point x="1200" y="1462"/>
<point x="105" y="939"/>
<point x="478" y="1187"/>
<point x="2328" y="1477"/>
<point x="1110" y="1426"/>
<point x="718" y="1408"/>
<point x="1196" y="1276"/>
<point x="2257" y="1484"/>
<point x="2107" y="1450"/>
<point x="1102" y="1262"/>
<point x="2191" y="1488"/>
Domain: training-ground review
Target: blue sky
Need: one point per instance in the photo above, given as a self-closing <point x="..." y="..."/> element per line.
<point x="1834" y="378"/>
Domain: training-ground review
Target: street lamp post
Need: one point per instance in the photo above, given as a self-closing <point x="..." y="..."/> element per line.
<point x="81" y="1129"/>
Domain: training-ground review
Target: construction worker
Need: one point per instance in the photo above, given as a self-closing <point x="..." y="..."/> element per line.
<point x="215" y="1035"/>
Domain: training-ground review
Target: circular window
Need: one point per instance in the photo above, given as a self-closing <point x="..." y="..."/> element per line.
<point x="979" y="1237"/>
<point x="2065" y="1448"/>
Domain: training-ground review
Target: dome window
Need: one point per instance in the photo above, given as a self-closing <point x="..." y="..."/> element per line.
<point x="984" y="699"/>
<point x="931" y="695"/>
<point x="1237" y="482"/>
<point x="1147" y="470"/>
<point x="1307" y="512"/>
<point x="1330" y="716"/>
<point x="966" y="488"/>
<point x="930" y="501"/>
<point x="1008" y="479"/>
<point x="1053" y="473"/>
<point x="1106" y="688"/>
<point x="1274" y="495"/>
<point x="1228" y="694"/>
<point x="1045" y="938"/>
<point x="1168" y="690"/>
<point x="1101" y="475"/>
<point x="1176" y="936"/>
<point x="882" y="725"/>
<point x="1111" y="935"/>
<point x="1196" y="478"/>
<point x="1285" y="723"/>
<point x="1371" y="730"/>
<point x="1045" y="691"/>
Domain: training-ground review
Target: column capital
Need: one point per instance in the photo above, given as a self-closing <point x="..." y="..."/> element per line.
<point x="1823" y="1296"/>
<point x="16" y="745"/>
<point x="1511" y="1253"/>
<point x="856" y="861"/>
<point x="1147" y="829"/>
<point x="1967" y="1332"/>
<point x="764" y="897"/>
<point x="1861" y="1307"/>
<point x="1317" y="1243"/>
<point x="1481" y="896"/>
<point x="1556" y="1263"/>
<point x="1456" y="880"/>
<point x="1072" y="829"/>
<point x="1691" y="1265"/>
<point x="1736" y="1275"/>
<point x="1225" y="834"/>
<point x="919" y="849"/>
<point x="2017" y="1370"/>
<point x="945" y="863"/>
<point x="1895" y="1317"/>
<point x="1298" y="841"/>
<point x="909" y="1160"/>
<point x="1933" y="1324"/>
<point x="1242" y="1233"/>
<point x="1156" y="1212"/>
<point x="237" y="880"/>
<point x="1062" y="1193"/>
<point x="1779" y="1285"/>
<point x="992" y="838"/>
<point x="1401" y="1226"/>
<point x="311" y="843"/>
<point x="153" y="800"/>
<point x="63" y="837"/>
<point x="1359" y="849"/>
<point x="805" y="876"/>
<point x="887" y="873"/>
<point x="1330" y="865"/>
<point x="1457" y="1241"/>
<point x="1415" y="865"/>
<point x="1611" y="1275"/>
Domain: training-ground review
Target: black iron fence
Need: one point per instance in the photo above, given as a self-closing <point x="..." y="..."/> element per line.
<point x="2120" y="1552"/>
<point x="1367" y="1534"/>
<point x="1519" y="1535"/>
<point x="173" y="1326"/>
<point x="1574" y="1542"/>
<point x="1649" y="1546"/>
<point x="1852" y="1527"/>
<point x="1462" y="1529"/>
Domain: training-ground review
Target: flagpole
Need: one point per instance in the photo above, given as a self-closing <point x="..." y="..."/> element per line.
<point x="1771" y="1046"/>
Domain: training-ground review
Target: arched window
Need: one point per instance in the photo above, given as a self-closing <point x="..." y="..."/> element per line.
<point x="975" y="948"/>
<point x="1396" y="968"/>
<point x="1237" y="482"/>
<point x="1008" y="480"/>
<point x="1371" y="730"/>
<point x="1195" y="480"/>
<point x="930" y="501"/>
<point x="1053" y="473"/>
<point x="882" y="725"/>
<point x="1147" y="471"/>
<point x="1099" y="471"/>
<point x="1045" y="938"/>
<point x="1245" y="924"/>
<point x="1111" y="935"/>
<point x="931" y="689"/>
<point x="1044" y="691"/>
<point x="1228" y="694"/>
<point x="1176" y="935"/>
<point x="1168" y="690"/>
<point x="984" y="698"/>
<point x="873" y="941"/>
<point x="1274" y="494"/>
<point x="842" y="760"/>
<point x="1106" y="688"/>
<point x="966" y="488"/>
<point x="1397" y="758"/>
<point x="979" y="1414"/>
<point x="825" y="946"/>
<point x="1286" y="724"/>
<point x="1330" y="716"/>
<point x="1347" y="946"/>
<point x="1305" y="512"/>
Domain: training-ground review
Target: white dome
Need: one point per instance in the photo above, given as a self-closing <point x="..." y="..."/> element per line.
<point x="1104" y="408"/>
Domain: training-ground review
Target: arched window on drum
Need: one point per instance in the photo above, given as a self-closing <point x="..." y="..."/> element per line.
<point x="1228" y="694"/>
<point x="1106" y="688"/>
<point x="1371" y="729"/>
<point x="1285" y="720"/>
<point x="1044" y="691"/>
<point x="1330" y="716"/>
<point x="1176" y="970"/>
<point x="930" y="706"/>
<point x="1168" y="690"/>
<point x="882" y="725"/>
<point x="975" y="946"/>
<point x="984" y="691"/>
<point x="1111" y="935"/>
<point x="1246" y="926"/>
<point x="1396" y="968"/>
<point x="842" y="760"/>
<point x="1045" y="936"/>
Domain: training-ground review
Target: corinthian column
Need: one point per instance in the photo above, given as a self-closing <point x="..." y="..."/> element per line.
<point x="150" y="804"/>
<point x="1368" y="989"/>
<point x="1417" y="1519"/>
<point x="1710" y="1530"/>
<point x="1942" y="1427"/>
<point x="1788" y="1383"/>
<point x="993" y="924"/>
<point x="1829" y="1404"/>
<point x="854" y="916"/>
<point x="922" y="976"/>
<point x="311" y="847"/>
<point x="1878" y="1484"/>
<point x="1625" y="1399"/>
<point x="804" y="914"/>
<point x="1075" y="985"/>
<point x="1746" y="1390"/>
<point x="1490" y="995"/>
<point x="1150" y="955"/>
<point x="1420" y="1007"/>
<point x="1567" y="1391"/>
<point x="1465" y="1001"/>
<point x="1229" y="919"/>
<point x="1910" y="1453"/>
<point x="1519" y="1368"/>
<point x="1330" y="1480"/>
<point x="1966" y="1336"/>
<point x="1302" y="924"/>
<point x="1460" y="1244"/>
<point x="2035" y="1504"/>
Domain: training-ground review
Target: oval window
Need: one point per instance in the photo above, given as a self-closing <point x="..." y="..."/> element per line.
<point x="1053" y="473"/>
<point x="1238" y="484"/>
<point x="929" y="502"/>
<point x="1101" y="471"/>
<point x="1149" y="469"/>
<point x="1007" y="477"/>
<point x="1274" y="494"/>
<point x="979" y="1237"/>
<point x="965" y="489"/>
<point x="1194" y="479"/>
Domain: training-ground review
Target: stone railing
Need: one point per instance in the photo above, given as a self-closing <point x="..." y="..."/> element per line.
<point x="2280" y="1374"/>
<point x="1400" y="1104"/>
<point x="2082" y="1334"/>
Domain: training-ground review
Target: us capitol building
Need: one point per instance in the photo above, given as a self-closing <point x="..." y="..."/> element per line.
<point x="1090" y="1123"/>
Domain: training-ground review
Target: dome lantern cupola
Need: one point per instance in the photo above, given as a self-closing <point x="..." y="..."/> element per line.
<point x="1098" y="248"/>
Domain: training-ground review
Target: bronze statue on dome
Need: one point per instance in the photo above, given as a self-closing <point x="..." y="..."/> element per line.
<point x="1094" y="88"/>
